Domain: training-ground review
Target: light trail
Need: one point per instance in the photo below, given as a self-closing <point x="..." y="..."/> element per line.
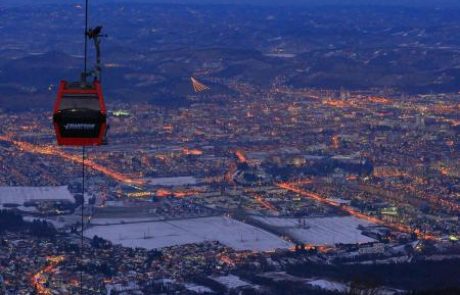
<point x="338" y="103"/>
<point x="380" y="100"/>
<point x="163" y="193"/>
<point x="390" y="172"/>
<point x="350" y="210"/>
<point x="225" y="259"/>
<point x="192" y="152"/>
<point x="52" y="151"/>
<point x="241" y="156"/>
<point x="303" y="181"/>
<point x="264" y="203"/>
<point x="40" y="278"/>
<point x="429" y="198"/>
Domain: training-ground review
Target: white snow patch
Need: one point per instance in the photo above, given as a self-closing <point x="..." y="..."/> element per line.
<point x="132" y="287"/>
<point x="21" y="194"/>
<point x="281" y="55"/>
<point x="159" y="234"/>
<point x="198" y="289"/>
<point x="323" y="230"/>
<point x="329" y="285"/>
<point x="231" y="281"/>
<point x="122" y="220"/>
<point x="173" y="181"/>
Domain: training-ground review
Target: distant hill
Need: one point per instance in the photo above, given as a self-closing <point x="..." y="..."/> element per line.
<point x="409" y="49"/>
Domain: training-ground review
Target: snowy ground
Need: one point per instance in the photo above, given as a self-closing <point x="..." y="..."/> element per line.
<point x="231" y="281"/>
<point x="329" y="285"/>
<point x="198" y="289"/>
<point x="21" y="194"/>
<point x="120" y="220"/>
<point x="322" y="231"/>
<point x="158" y="234"/>
<point x="172" y="181"/>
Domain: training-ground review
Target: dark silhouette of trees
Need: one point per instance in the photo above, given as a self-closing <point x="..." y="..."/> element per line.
<point x="406" y="276"/>
<point x="41" y="228"/>
<point x="100" y="243"/>
<point x="13" y="221"/>
<point x="10" y="220"/>
<point x="78" y="199"/>
<point x="364" y="286"/>
<point x="318" y="168"/>
<point x="443" y="291"/>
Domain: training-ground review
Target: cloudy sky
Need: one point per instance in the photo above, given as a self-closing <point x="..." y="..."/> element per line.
<point x="433" y="3"/>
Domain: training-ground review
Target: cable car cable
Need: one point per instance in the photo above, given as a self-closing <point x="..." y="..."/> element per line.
<point x="86" y="40"/>
<point x="82" y="217"/>
<point x="83" y="153"/>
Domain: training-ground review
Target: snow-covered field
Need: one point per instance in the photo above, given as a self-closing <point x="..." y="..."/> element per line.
<point x="158" y="234"/>
<point x="322" y="231"/>
<point x="329" y="285"/>
<point x="21" y="194"/>
<point x="231" y="281"/>
<point x="172" y="181"/>
<point x="198" y="289"/>
<point x="120" y="220"/>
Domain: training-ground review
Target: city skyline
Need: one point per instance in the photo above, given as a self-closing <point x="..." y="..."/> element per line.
<point x="251" y="150"/>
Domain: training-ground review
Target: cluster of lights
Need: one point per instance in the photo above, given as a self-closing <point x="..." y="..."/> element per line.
<point x="39" y="279"/>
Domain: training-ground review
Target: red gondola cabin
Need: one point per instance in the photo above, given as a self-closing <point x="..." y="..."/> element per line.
<point x="79" y="116"/>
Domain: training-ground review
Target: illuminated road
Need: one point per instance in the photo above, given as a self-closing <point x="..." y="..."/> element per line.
<point x="264" y="203"/>
<point x="437" y="201"/>
<point x="192" y="152"/>
<point x="350" y="210"/>
<point x="163" y="193"/>
<point x="53" y="151"/>
<point x="40" y="279"/>
<point x="241" y="156"/>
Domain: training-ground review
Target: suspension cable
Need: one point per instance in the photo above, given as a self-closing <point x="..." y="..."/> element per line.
<point x="83" y="153"/>
<point x="82" y="217"/>
<point x="86" y="38"/>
